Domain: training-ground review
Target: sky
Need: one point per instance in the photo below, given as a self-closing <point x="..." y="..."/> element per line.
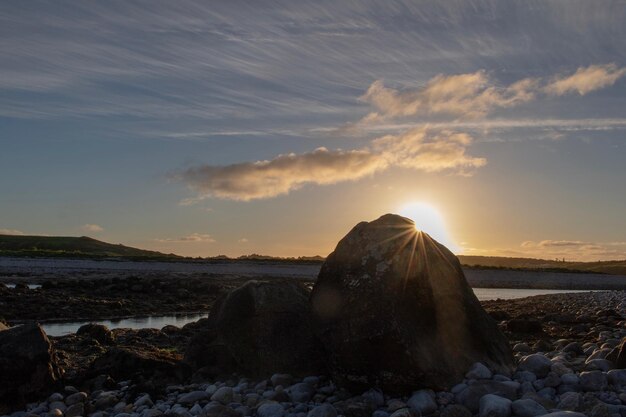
<point x="273" y="127"/>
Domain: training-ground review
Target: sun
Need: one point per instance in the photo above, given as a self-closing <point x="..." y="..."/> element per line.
<point x="428" y="219"/>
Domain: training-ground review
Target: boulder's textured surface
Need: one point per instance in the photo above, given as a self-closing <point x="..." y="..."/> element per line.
<point x="27" y="365"/>
<point x="264" y="327"/>
<point x="393" y="309"/>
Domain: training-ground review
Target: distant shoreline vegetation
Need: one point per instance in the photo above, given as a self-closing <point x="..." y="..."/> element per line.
<point x="92" y="249"/>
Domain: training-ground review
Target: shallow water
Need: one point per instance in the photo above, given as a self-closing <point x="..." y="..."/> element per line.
<point x="31" y="286"/>
<point x="511" y="293"/>
<point x="179" y="320"/>
<point x="152" y="322"/>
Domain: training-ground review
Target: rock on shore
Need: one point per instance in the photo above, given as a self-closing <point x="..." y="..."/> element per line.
<point x="258" y="329"/>
<point x="393" y="310"/>
<point x="27" y="365"/>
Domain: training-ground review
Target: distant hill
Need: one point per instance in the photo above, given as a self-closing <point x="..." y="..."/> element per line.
<point x="602" y="267"/>
<point x="58" y="246"/>
<point x="86" y="247"/>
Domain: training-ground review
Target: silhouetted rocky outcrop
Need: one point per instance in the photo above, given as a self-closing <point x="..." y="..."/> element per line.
<point x="393" y="309"/>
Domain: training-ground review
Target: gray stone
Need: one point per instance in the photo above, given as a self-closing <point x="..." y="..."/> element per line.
<point x="521" y="347"/>
<point x="324" y="410"/>
<point x="458" y="388"/>
<point x="69" y="389"/>
<point x="143" y="400"/>
<point x="525" y="376"/>
<point x="471" y="396"/>
<point x="105" y="400"/>
<point x="301" y="392"/>
<point x="599" y="354"/>
<point x="243" y="410"/>
<point x="120" y="407"/>
<point x="491" y="405"/>
<point x="569" y="379"/>
<point x="617" y="377"/>
<point x="527" y="408"/>
<point x="478" y="371"/>
<point x="195" y="396"/>
<point x="569" y="401"/>
<point x="536" y="363"/>
<point x="598" y="364"/>
<point x="423" y="401"/>
<point x="223" y="395"/>
<point x="547" y="392"/>
<point x="75" y="410"/>
<point x="57" y="396"/>
<point x="79" y="397"/>
<point x="270" y="409"/>
<point x="573" y="347"/>
<point x="560" y="369"/>
<point x="552" y="380"/>
<point x="593" y="381"/>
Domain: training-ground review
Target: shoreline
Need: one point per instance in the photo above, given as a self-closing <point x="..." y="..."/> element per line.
<point x="40" y="271"/>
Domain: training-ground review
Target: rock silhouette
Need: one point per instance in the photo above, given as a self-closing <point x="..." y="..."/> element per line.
<point x="259" y="329"/>
<point x="393" y="310"/>
<point x="28" y="365"/>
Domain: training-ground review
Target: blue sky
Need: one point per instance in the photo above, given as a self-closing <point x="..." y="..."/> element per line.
<point x="274" y="126"/>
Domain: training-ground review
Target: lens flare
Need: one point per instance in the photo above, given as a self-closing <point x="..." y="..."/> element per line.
<point x="428" y="219"/>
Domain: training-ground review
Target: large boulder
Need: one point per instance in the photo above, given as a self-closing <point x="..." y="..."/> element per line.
<point x="393" y="309"/>
<point x="260" y="328"/>
<point x="28" y="365"/>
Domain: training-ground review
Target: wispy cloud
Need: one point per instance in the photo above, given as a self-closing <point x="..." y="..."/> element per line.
<point x="466" y="95"/>
<point x="420" y="149"/>
<point x="91" y="228"/>
<point x="429" y="150"/>
<point x="264" y="179"/>
<point x="191" y="238"/>
<point x="476" y="94"/>
<point x="585" y="80"/>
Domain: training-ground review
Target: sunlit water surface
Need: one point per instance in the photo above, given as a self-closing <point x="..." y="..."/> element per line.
<point x="152" y="322"/>
<point x="511" y="293"/>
